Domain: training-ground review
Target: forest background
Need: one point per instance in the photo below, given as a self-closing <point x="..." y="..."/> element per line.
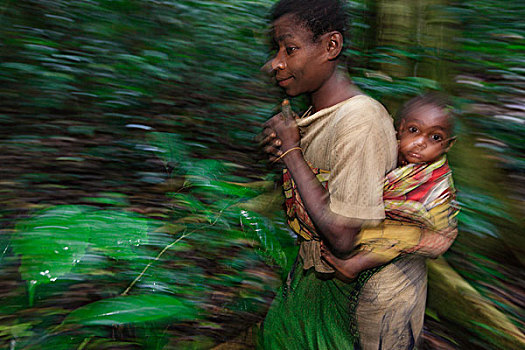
<point x="137" y="211"/>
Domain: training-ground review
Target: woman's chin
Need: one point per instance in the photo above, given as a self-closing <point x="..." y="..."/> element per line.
<point x="291" y="92"/>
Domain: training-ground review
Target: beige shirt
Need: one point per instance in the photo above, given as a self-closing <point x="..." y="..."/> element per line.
<point x="355" y="141"/>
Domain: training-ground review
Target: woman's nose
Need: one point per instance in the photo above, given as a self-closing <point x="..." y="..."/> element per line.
<point x="278" y="62"/>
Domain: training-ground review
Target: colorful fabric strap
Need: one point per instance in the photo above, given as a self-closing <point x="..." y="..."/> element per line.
<point x="412" y="191"/>
<point x="414" y="195"/>
<point x="298" y="218"/>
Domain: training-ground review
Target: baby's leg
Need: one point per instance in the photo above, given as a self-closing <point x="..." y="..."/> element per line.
<point x="348" y="269"/>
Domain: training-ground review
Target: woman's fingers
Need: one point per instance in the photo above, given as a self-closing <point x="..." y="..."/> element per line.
<point x="324" y="251"/>
<point x="268" y="138"/>
<point x="273" y="151"/>
<point x="267" y="134"/>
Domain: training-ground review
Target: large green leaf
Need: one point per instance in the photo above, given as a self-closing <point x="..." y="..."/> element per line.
<point x="51" y="243"/>
<point x="54" y="241"/>
<point x="116" y="233"/>
<point x="133" y="309"/>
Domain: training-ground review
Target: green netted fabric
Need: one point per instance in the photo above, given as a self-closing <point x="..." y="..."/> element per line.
<point x="313" y="312"/>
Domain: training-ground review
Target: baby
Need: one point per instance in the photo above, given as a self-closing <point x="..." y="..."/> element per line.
<point x="420" y="192"/>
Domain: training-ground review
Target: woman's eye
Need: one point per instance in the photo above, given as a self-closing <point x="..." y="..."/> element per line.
<point x="290" y="49"/>
<point x="437" y="138"/>
<point x="412" y="129"/>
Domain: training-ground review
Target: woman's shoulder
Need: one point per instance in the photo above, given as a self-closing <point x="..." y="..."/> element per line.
<point x="362" y="109"/>
<point x="364" y="104"/>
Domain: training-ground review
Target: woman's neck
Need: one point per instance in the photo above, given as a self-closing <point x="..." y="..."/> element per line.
<point x="336" y="89"/>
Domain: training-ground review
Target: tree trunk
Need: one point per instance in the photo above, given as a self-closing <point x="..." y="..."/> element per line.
<point x="455" y="300"/>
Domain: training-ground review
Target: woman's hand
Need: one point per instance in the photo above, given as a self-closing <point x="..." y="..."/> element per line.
<point x="279" y="135"/>
<point x="286" y="131"/>
<point x="269" y="142"/>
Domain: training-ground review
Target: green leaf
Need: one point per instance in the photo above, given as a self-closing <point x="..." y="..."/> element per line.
<point x="259" y="229"/>
<point x="54" y="241"/>
<point x="197" y="208"/>
<point x="117" y="232"/>
<point x="169" y="147"/>
<point x="133" y="309"/>
<point x="51" y="243"/>
<point x="236" y="190"/>
<point x="111" y="198"/>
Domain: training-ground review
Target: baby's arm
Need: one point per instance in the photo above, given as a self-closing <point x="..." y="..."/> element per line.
<point x="436" y="240"/>
<point x="434" y="243"/>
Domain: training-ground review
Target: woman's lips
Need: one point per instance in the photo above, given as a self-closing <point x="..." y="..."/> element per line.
<point x="284" y="82"/>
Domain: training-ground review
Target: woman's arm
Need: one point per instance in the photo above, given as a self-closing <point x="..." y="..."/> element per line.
<point x="336" y="230"/>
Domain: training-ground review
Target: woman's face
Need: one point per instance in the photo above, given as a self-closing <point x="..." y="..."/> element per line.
<point x="297" y="64"/>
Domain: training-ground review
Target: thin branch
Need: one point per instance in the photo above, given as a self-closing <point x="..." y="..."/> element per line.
<point x="151" y="262"/>
<point x="184" y="235"/>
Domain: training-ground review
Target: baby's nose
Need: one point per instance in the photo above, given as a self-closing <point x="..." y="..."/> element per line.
<point x="420" y="142"/>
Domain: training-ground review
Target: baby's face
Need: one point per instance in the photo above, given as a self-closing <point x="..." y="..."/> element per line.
<point x="424" y="135"/>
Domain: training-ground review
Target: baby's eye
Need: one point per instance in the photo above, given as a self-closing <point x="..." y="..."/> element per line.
<point x="290" y="49"/>
<point x="436" y="138"/>
<point x="412" y="129"/>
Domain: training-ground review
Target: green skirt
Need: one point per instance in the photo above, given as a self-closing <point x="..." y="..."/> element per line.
<point x="313" y="311"/>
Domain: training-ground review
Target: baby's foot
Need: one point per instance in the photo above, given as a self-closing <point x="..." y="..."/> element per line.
<point x="344" y="269"/>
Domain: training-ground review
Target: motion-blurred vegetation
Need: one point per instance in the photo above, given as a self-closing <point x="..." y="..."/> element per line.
<point x="137" y="211"/>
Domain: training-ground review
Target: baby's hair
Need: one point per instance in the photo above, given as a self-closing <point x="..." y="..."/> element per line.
<point x="319" y="16"/>
<point x="434" y="99"/>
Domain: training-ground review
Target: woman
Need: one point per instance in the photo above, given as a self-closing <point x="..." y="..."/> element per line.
<point x="336" y="157"/>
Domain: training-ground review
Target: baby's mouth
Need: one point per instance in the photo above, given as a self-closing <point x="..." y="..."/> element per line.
<point x="414" y="155"/>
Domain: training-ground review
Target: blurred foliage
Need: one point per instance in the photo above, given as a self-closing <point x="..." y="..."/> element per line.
<point x="137" y="211"/>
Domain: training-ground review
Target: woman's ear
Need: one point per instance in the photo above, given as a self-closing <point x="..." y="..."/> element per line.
<point x="334" y="45"/>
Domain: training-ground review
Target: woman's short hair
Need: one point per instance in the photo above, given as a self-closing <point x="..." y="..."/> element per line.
<point x="319" y="16"/>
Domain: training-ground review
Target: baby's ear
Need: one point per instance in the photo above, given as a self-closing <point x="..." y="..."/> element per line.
<point x="400" y="127"/>
<point x="450" y="142"/>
